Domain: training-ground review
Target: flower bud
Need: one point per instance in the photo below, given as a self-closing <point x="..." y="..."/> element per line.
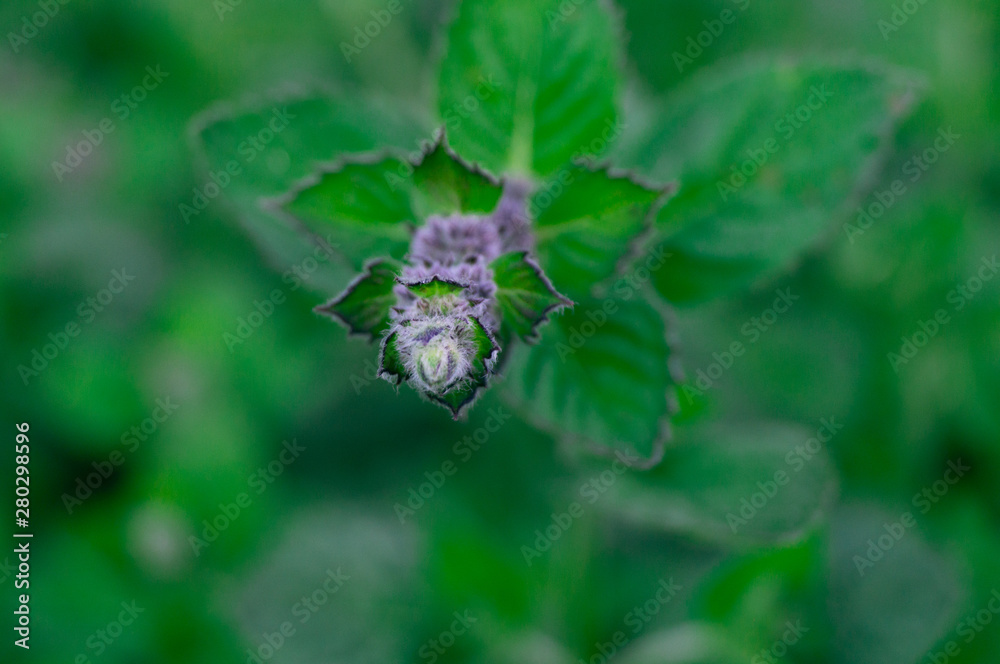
<point x="437" y="352"/>
<point x="437" y="364"/>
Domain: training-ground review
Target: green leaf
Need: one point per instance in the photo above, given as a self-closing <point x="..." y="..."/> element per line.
<point x="230" y="142"/>
<point x="318" y="129"/>
<point x="371" y="207"/>
<point x="524" y="295"/>
<point x="435" y="288"/>
<point x="807" y="135"/>
<point x="734" y="484"/>
<point x="366" y="303"/>
<point x="527" y="85"/>
<point x="587" y="223"/>
<point x="390" y="364"/>
<point x="458" y="398"/>
<point x="598" y="378"/>
<point x="867" y="578"/>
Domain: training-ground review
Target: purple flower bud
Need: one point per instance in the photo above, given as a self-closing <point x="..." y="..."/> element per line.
<point x="443" y="328"/>
<point x="476" y="279"/>
<point x="455" y="240"/>
<point x="511" y="218"/>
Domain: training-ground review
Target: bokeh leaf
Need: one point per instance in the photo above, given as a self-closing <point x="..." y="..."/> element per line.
<point x="686" y="643"/>
<point x="767" y="154"/>
<point x="904" y="596"/>
<point x="363" y="569"/>
<point x="234" y="155"/>
<point x="735" y="484"/>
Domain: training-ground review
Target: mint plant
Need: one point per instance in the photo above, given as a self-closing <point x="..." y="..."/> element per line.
<point x="468" y="288"/>
<point x="535" y="240"/>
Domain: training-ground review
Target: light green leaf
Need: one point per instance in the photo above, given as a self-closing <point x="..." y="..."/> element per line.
<point x="366" y="303"/>
<point x="525" y="296"/>
<point x="526" y="85"/>
<point x="435" y="288"/>
<point x="598" y="378"/>
<point x="587" y="223"/>
<point x="807" y="136"/>
<point x="371" y="207"/>
<point x="444" y="184"/>
<point x="735" y="484"/>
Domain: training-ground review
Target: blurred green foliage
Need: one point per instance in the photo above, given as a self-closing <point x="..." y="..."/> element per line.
<point x="297" y="381"/>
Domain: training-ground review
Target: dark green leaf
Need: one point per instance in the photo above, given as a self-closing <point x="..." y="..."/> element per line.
<point x="806" y="135"/>
<point x="443" y="184"/>
<point x="366" y="303"/>
<point x="747" y="483"/>
<point x="390" y="364"/>
<point x="598" y="378"/>
<point x="370" y="208"/>
<point x="527" y="85"/>
<point x="587" y="222"/>
<point x="435" y="288"/>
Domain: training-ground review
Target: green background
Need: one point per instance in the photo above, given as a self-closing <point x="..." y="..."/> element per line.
<point x="366" y="447"/>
